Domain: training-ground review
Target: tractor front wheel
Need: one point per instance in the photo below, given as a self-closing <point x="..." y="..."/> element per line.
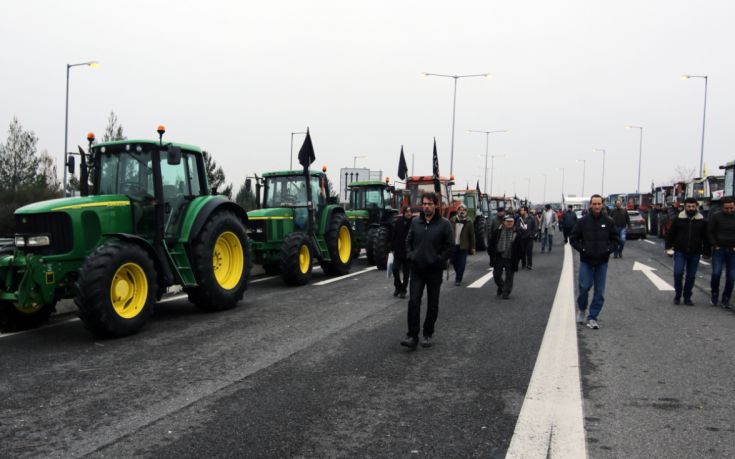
<point x="296" y="259"/>
<point x="381" y="246"/>
<point x="116" y="289"/>
<point x="13" y="318"/>
<point x="339" y="239"/>
<point x="221" y="263"/>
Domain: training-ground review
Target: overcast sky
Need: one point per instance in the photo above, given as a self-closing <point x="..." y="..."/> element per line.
<point x="237" y="79"/>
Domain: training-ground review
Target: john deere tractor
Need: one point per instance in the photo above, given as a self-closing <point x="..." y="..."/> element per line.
<point x="145" y="220"/>
<point x="290" y="230"/>
<point x="372" y="209"/>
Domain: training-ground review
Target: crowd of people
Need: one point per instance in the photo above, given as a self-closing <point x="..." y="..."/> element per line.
<point x="424" y="245"/>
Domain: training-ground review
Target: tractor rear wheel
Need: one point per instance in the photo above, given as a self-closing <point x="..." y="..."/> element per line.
<point x="13" y="318"/>
<point x="296" y="259"/>
<point x="339" y="239"/>
<point x="480" y="242"/>
<point x="369" y="249"/>
<point x="381" y="246"/>
<point x="116" y="289"/>
<point x="221" y="263"/>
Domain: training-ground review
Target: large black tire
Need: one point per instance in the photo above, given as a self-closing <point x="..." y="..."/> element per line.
<point x="480" y="241"/>
<point x="381" y="246"/>
<point x="369" y="249"/>
<point x="339" y="239"/>
<point x="122" y="270"/>
<point x="296" y="259"/>
<point x="221" y="263"/>
<point x="13" y="319"/>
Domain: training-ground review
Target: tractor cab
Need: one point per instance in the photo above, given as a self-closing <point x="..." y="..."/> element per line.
<point x="417" y="185"/>
<point x="286" y="190"/>
<point x="707" y="191"/>
<point x="371" y="212"/>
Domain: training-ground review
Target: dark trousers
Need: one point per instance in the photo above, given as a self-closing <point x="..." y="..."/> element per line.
<point x="503" y="275"/>
<point x="459" y="261"/>
<point x="401" y="265"/>
<point x="682" y="262"/>
<point x="722" y="258"/>
<point x="567" y="232"/>
<point x="432" y="280"/>
<point x="527" y="252"/>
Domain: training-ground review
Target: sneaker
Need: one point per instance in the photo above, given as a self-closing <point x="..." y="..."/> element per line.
<point x="713" y="302"/>
<point x="688" y="302"/>
<point x="615" y="255"/>
<point x="726" y="305"/>
<point x="410" y="342"/>
<point x="402" y="294"/>
<point x="581" y="316"/>
<point x="426" y="341"/>
<point x="677" y="300"/>
<point x="457" y="283"/>
<point x="592" y="323"/>
<point x="530" y="268"/>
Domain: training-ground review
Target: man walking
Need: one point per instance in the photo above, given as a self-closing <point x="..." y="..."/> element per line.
<point x="495" y="223"/>
<point x="526" y="228"/>
<point x="568" y="220"/>
<point x="686" y="241"/>
<point x="721" y="231"/>
<point x="548" y="223"/>
<point x="505" y="244"/>
<point x="401" y="225"/>
<point x="594" y="237"/>
<point x="621" y="218"/>
<point x="464" y="242"/>
<point x="428" y="246"/>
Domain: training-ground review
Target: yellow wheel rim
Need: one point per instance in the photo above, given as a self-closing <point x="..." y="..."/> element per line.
<point x="304" y="259"/>
<point x="228" y="260"/>
<point x="29" y="308"/>
<point x="129" y="290"/>
<point x="344" y="244"/>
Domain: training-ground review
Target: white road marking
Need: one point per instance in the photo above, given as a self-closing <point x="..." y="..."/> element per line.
<point x="263" y="279"/>
<point x="660" y="284"/>
<point x="551" y="422"/>
<point x="174" y="298"/>
<point x="650" y="242"/>
<point x="482" y="281"/>
<point x="704" y="263"/>
<point x="329" y="281"/>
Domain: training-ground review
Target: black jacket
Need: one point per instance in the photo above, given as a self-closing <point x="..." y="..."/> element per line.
<point x="688" y="235"/>
<point x="429" y="244"/>
<point x="530" y="230"/>
<point x="569" y="219"/>
<point x="398" y="236"/>
<point x="594" y="238"/>
<point x="721" y="229"/>
<point x="620" y="217"/>
<point x="515" y="249"/>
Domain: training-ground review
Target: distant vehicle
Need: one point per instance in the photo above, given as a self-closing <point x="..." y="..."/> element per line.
<point x="637" y="226"/>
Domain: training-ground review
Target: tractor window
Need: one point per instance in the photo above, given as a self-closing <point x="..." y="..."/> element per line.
<point x="287" y="191"/>
<point x="175" y="192"/>
<point x="729" y="182"/>
<point x="387" y="199"/>
<point x="416" y="190"/>
<point x="469" y="201"/>
<point x="127" y="173"/>
<point x="192" y="178"/>
<point x="373" y="199"/>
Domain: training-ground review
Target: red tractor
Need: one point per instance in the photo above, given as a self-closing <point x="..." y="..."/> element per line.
<point x="418" y="184"/>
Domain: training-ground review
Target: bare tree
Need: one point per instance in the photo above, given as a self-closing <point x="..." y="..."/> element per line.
<point x="682" y="174"/>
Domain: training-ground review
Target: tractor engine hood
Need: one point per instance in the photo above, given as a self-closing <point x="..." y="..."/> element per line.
<point x="77" y="203"/>
<point x="278" y="213"/>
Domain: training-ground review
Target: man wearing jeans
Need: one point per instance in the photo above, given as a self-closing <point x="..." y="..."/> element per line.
<point x="622" y="220"/>
<point x="686" y="241"/>
<point x="594" y="237"/>
<point x="721" y="232"/>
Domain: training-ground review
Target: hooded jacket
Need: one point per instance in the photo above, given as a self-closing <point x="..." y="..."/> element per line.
<point x="594" y="237"/>
<point x="429" y="244"/>
<point x="688" y="235"/>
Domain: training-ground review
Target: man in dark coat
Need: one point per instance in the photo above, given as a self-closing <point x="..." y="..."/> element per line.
<point x="686" y="241"/>
<point x="526" y="227"/>
<point x="505" y="245"/>
<point x="594" y="237"/>
<point x="428" y="246"/>
<point x="721" y="231"/>
<point x="496" y="222"/>
<point x="622" y="219"/>
<point x="568" y="220"/>
<point x="401" y="225"/>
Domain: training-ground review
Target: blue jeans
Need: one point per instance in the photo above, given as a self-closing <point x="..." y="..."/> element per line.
<point x="622" y="232"/>
<point x="722" y="257"/>
<point x="691" y="263"/>
<point x="546" y="239"/>
<point x="459" y="261"/>
<point x="588" y="276"/>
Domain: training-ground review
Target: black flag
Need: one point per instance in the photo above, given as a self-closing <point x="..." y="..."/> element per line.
<point x="478" y="186"/>
<point x="402" y="167"/>
<point x="435" y="170"/>
<point x="306" y="154"/>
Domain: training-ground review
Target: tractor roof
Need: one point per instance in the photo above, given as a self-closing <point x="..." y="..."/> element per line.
<point x="183" y="146"/>
<point x="367" y="183"/>
<point x="300" y="172"/>
<point x="425" y="178"/>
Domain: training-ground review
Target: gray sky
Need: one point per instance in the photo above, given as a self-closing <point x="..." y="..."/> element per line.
<point x="236" y="79"/>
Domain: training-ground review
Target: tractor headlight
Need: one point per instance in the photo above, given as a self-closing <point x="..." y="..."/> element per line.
<point x="20" y="241"/>
<point x="38" y="241"/>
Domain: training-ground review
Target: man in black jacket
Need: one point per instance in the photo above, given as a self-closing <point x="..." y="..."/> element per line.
<point x="526" y="227"/>
<point x="686" y="241"/>
<point x="721" y="231"/>
<point x="568" y="220"/>
<point x="622" y="219"/>
<point x="401" y="225"/>
<point x="594" y="237"/>
<point x="429" y="245"/>
<point x="505" y="245"/>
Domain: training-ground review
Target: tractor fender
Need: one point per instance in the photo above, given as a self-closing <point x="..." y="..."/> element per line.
<point x="161" y="265"/>
<point x="209" y="208"/>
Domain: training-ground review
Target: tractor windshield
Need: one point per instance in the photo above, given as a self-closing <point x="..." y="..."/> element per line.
<point x="128" y="173"/>
<point x="290" y="191"/>
<point x="366" y="198"/>
<point x="417" y="189"/>
<point x="469" y="201"/>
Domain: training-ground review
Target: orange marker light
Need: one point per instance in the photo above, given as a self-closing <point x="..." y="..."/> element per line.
<point x="451" y="177"/>
<point x="324" y="168"/>
<point x="387" y="180"/>
<point x="161" y="129"/>
<point x="90" y="136"/>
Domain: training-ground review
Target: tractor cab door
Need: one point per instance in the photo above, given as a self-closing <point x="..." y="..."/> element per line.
<point x="180" y="183"/>
<point x="319" y="193"/>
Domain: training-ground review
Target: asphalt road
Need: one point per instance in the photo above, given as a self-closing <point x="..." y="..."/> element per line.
<point x="316" y="371"/>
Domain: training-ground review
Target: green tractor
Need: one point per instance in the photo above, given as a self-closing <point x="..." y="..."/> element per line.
<point x="145" y="220"/>
<point x="289" y="230"/>
<point x="372" y="209"/>
<point x="474" y="203"/>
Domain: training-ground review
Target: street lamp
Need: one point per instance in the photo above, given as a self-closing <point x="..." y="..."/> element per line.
<point x="354" y="160"/>
<point x="704" y="116"/>
<point x="584" y="168"/>
<point x="487" y="139"/>
<point x="454" y="105"/>
<point x="602" y="192"/>
<point x="640" y="150"/>
<point x="492" y="171"/>
<point x="92" y="64"/>
<point x="290" y="163"/>
<point x="562" y="182"/>
<point x="544" y="174"/>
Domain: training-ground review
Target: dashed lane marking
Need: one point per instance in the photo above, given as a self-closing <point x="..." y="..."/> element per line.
<point x="262" y="279"/>
<point x="482" y="281"/>
<point x="336" y="279"/>
<point x="704" y="263"/>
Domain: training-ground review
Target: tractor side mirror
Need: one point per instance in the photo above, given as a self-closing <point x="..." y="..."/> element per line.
<point x="174" y="156"/>
<point x="248" y="185"/>
<point x="70" y="163"/>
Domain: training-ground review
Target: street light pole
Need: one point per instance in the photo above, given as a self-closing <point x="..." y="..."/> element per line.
<point x="544" y="187"/>
<point x="704" y="117"/>
<point x="562" y="182"/>
<point x="640" y="152"/>
<point x="487" y="142"/>
<point x="91" y="64"/>
<point x="602" y="192"/>
<point x="492" y="170"/>
<point x="454" y="106"/>
<point x="584" y="168"/>
<point x="290" y="163"/>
